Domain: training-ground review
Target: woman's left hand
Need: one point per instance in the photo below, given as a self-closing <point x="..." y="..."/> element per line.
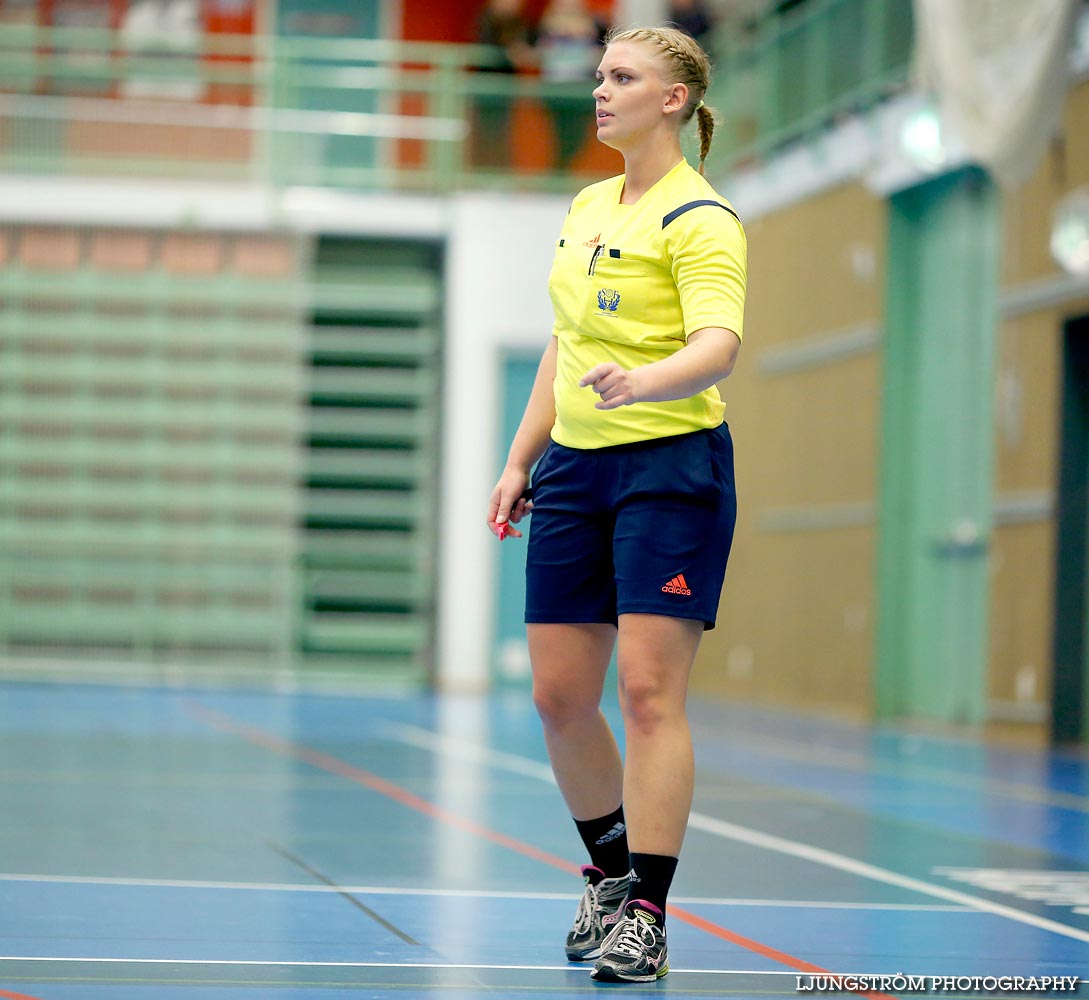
<point x="615" y="385"/>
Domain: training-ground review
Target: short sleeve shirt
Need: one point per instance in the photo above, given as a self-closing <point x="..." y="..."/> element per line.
<point x="629" y="284"/>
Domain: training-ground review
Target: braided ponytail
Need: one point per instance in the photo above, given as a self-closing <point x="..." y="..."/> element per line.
<point x="706" y="122"/>
<point x="686" y="63"/>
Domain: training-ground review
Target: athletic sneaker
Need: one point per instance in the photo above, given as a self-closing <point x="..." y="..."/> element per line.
<point x="635" y="949"/>
<point x="601" y="898"/>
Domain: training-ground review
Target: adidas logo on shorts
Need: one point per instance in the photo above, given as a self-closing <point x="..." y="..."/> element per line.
<point x="678" y="585"/>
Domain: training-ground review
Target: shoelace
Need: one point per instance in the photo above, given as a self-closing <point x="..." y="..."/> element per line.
<point x="633" y="936"/>
<point x="584" y="915"/>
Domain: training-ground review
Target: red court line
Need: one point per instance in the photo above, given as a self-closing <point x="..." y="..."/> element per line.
<point x="334" y="765"/>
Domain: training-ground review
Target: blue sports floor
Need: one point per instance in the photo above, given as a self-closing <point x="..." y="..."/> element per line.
<point x="159" y="844"/>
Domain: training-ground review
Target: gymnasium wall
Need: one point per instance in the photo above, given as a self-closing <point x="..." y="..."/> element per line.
<point x="796" y="620"/>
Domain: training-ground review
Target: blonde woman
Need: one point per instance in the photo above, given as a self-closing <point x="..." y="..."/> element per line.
<point x="633" y="494"/>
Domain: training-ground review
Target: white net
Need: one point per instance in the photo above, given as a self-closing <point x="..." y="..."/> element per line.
<point x="999" y="69"/>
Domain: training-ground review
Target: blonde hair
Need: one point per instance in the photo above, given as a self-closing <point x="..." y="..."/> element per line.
<point x="687" y="63"/>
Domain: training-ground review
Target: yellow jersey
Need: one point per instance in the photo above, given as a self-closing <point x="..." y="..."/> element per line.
<point x="628" y="284"/>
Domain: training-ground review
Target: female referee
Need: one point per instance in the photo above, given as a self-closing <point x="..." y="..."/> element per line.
<point x="633" y="497"/>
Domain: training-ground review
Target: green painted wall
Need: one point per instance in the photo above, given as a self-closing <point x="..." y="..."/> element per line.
<point x="937" y="449"/>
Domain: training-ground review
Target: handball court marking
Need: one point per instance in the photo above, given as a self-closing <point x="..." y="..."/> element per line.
<point x="852" y="760"/>
<point x="461" y="966"/>
<point x="450" y="746"/>
<point x="257" y="736"/>
<point x="427" y="739"/>
<point x="387" y="890"/>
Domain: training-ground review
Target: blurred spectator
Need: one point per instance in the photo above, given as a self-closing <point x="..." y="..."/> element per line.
<point x="162" y="30"/>
<point x="693" y="17"/>
<point x="569" y="48"/>
<point x="502" y="25"/>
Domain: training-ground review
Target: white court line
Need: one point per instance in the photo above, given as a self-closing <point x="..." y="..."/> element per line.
<point x="386" y="965"/>
<point x="418" y="965"/>
<point x="385" y="890"/>
<point x="377" y="890"/>
<point x="858" y="763"/>
<point x="464" y="750"/>
<point x="283" y="963"/>
<point x="863" y="869"/>
<point x="423" y="965"/>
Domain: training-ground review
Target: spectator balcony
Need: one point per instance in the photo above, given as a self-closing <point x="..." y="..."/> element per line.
<point x="381" y="115"/>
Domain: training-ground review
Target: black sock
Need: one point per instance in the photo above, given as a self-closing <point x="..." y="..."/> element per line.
<point x="651" y="877"/>
<point x="606" y="838"/>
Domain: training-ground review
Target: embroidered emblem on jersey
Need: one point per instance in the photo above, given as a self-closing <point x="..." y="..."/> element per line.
<point x="593" y="241"/>
<point x="608" y="300"/>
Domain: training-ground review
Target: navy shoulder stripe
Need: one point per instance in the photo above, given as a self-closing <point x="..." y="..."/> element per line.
<point x="678" y="212"/>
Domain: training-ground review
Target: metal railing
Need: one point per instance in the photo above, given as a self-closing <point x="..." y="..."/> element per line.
<point x="798" y="71"/>
<point x="385" y="115"/>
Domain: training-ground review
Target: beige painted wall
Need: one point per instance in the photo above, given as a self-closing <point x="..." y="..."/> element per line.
<point x="796" y="621"/>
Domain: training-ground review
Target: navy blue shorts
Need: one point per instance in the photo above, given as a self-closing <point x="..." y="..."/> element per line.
<point x="636" y="528"/>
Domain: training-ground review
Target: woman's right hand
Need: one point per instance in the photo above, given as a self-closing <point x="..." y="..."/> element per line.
<point x="507" y="505"/>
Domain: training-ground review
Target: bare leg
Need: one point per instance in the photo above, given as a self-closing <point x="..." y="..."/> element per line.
<point x="655" y="659"/>
<point x="569" y="666"/>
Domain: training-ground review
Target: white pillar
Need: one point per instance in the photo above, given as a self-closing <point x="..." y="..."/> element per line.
<point x="498" y="258"/>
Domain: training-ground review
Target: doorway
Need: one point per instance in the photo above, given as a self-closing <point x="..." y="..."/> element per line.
<point x="1070" y="689"/>
<point x="510" y="656"/>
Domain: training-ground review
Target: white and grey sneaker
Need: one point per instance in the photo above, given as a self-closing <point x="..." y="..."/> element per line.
<point x="602" y="898"/>
<point x="635" y="949"/>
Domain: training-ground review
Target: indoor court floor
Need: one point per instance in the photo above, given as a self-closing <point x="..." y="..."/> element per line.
<point x="159" y="843"/>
